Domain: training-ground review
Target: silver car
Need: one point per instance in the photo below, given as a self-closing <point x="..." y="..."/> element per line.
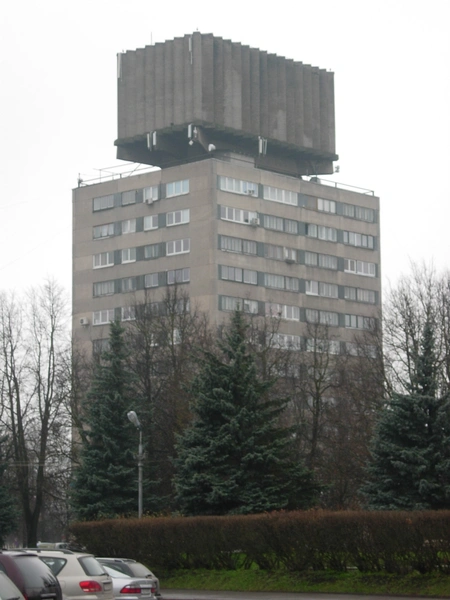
<point x="126" y="587"/>
<point x="80" y="575"/>
<point x="132" y="568"/>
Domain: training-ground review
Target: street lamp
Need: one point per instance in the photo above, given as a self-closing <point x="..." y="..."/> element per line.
<point x="132" y="416"/>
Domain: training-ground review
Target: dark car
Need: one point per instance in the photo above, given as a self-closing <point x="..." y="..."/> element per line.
<point x="33" y="578"/>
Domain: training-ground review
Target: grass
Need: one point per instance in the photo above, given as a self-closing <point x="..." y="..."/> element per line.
<point x="412" y="584"/>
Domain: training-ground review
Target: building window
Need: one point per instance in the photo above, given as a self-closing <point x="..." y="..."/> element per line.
<point x="328" y="206"/>
<point x="359" y="295"/>
<point x="238" y="215"/>
<point x="177" y="188"/>
<point x="151" y="280"/>
<point x="230" y="244"/>
<point x="104" y="288"/>
<point x="150" y="194"/>
<point x="128" y="284"/>
<point x="177" y="217"/>
<point x="271" y="222"/>
<point x="151" y="251"/>
<point x="292" y="284"/>
<point x="128" y="197"/>
<point x="358" y="212"/>
<point x="322" y="317"/>
<point x="329" y="234"/>
<point x="279" y="195"/>
<point x="323" y="346"/>
<point x="103" y="317"/>
<point x="360" y="267"/>
<point x="291" y="226"/>
<point x="100" y="346"/>
<point x="318" y="288"/>
<point x="274" y="281"/>
<point x="128" y="255"/>
<point x="103" y="202"/>
<point x="240" y="275"/>
<point x="238" y="186"/>
<point x="150" y="222"/>
<point x="128" y="226"/>
<point x="178" y="247"/>
<point x="103" y="259"/>
<point x="283" y="311"/>
<point x="103" y="231"/>
<point x="128" y="313"/>
<point x="178" y="276"/>
<point x="359" y="322"/>
<point x="248" y="306"/>
<point x="285" y="341"/>
<point x="358" y="239"/>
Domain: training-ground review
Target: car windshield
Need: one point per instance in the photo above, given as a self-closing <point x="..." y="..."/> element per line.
<point x="91" y="566"/>
<point x="115" y="572"/>
<point x="55" y="563"/>
<point x="140" y="570"/>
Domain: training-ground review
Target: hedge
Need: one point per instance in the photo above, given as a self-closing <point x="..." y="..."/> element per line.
<point x="394" y="542"/>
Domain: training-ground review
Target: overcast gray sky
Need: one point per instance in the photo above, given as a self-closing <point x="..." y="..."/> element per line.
<point x="58" y="109"/>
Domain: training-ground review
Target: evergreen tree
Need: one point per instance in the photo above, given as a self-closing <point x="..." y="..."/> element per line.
<point x="9" y="513"/>
<point x="410" y="469"/>
<point x="235" y="458"/>
<point x="105" y="483"/>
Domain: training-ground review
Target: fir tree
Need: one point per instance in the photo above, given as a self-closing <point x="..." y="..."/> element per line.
<point x="105" y="482"/>
<point x="235" y="458"/>
<point x="410" y="467"/>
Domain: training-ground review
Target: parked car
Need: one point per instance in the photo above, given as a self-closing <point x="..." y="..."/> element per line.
<point x="33" y="578"/>
<point x="8" y="589"/>
<point x="130" y="588"/>
<point x="132" y="568"/>
<point x="81" y="576"/>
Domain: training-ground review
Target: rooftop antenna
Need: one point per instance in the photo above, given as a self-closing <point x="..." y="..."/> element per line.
<point x="151" y="38"/>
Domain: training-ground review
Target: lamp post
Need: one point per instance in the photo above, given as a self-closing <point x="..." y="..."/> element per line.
<point x="132" y="416"/>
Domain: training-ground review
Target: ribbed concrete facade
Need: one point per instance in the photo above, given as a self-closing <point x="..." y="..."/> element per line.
<point x="236" y="93"/>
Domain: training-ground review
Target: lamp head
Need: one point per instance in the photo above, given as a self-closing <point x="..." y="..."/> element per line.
<point x="132" y="416"/>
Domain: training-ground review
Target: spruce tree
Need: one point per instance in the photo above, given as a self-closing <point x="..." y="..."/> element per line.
<point x="410" y="468"/>
<point x="105" y="483"/>
<point x="235" y="458"/>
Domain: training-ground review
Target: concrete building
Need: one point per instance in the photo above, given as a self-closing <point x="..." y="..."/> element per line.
<point x="238" y="212"/>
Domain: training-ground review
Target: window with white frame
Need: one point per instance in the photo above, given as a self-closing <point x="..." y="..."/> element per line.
<point x="359" y="322"/>
<point x="324" y="261"/>
<point x="312" y="315"/>
<point x="103" y="231"/>
<point x="104" y="288"/>
<point x="358" y="212"/>
<point x="231" y="303"/>
<point x="285" y="341"/>
<point x="240" y="275"/>
<point x="328" y="234"/>
<point x="128" y="284"/>
<point x="292" y="284"/>
<point x="150" y="222"/>
<point x="274" y="281"/>
<point x="128" y="226"/>
<point x="128" y="255"/>
<point x="152" y="251"/>
<point x="151" y="194"/>
<point x="359" y="295"/>
<point x="178" y="276"/>
<point x="291" y="226"/>
<point x="103" y="317"/>
<point x="128" y="197"/>
<point x="272" y="222"/>
<point x="238" y="186"/>
<point x="178" y="247"/>
<point x="100" y="346"/>
<point x="177" y="217"/>
<point x="323" y="346"/>
<point x="177" y="188"/>
<point x="360" y="267"/>
<point x="103" y="259"/>
<point x="151" y="280"/>
<point x="279" y="195"/>
<point x="128" y="313"/>
<point x="103" y="202"/>
<point x="319" y="288"/>
<point x="328" y="206"/>
<point x="284" y="311"/>
<point x="230" y="244"/>
<point x="322" y="317"/>
<point x="238" y="215"/>
<point x="358" y="239"/>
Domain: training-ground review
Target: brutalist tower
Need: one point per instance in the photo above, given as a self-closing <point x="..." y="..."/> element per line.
<point x="237" y="209"/>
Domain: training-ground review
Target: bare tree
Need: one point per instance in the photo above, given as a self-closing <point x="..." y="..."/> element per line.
<point x="35" y="386"/>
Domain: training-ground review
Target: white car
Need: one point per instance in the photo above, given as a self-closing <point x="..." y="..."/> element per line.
<point x="80" y="575"/>
<point x="126" y="587"/>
